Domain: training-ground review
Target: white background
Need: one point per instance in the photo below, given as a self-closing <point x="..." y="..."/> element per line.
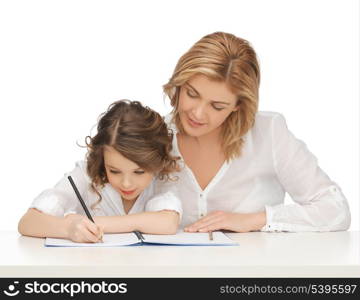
<point x="63" y="62"/>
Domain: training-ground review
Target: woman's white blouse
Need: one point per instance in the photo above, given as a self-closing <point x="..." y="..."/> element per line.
<point x="61" y="199"/>
<point x="272" y="163"/>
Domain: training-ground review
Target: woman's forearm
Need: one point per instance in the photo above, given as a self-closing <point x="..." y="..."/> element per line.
<point x="161" y="222"/>
<point x="38" y="224"/>
<point x="259" y="220"/>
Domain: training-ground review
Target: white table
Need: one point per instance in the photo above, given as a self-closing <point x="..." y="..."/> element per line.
<point x="330" y="254"/>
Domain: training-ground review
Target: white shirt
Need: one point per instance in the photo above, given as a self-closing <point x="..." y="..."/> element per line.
<point x="272" y="162"/>
<point x="62" y="200"/>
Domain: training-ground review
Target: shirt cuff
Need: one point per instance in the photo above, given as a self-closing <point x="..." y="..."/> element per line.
<point x="166" y="201"/>
<point x="69" y="213"/>
<point x="270" y="226"/>
<point x="269" y="215"/>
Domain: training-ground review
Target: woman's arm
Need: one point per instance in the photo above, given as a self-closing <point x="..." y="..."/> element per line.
<point x="159" y="222"/>
<point x="319" y="204"/>
<point x="74" y="227"/>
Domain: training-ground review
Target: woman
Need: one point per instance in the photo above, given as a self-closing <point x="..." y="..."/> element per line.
<point x="238" y="162"/>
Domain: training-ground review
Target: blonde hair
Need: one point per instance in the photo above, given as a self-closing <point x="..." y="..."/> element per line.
<point x="224" y="57"/>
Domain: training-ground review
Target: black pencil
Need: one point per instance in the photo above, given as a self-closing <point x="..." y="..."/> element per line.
<point x="81" y="200"/>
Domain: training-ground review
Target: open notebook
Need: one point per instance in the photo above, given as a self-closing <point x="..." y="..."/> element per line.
<point x="131" y="239"/>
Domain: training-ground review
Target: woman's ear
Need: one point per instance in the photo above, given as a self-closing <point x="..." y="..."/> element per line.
<point x="236" y="107"/>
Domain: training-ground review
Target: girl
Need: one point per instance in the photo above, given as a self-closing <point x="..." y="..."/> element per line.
<point x="130" y="149"/>
<point x="240" y="162"/>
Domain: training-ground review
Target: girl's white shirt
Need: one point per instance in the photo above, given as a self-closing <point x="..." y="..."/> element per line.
<point x="62" y="200"/>
<point x="272" y="163"/>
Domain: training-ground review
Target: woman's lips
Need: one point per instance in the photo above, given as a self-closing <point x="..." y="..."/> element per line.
<point x="194" y="123"/>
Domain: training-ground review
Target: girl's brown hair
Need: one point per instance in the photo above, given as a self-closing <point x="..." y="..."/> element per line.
<point x="224" y="57"/>
<point x="138" y="133"/>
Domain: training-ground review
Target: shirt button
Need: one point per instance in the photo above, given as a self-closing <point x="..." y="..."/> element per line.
<point x="201" y="215"/>
<point x="201" y="195"/>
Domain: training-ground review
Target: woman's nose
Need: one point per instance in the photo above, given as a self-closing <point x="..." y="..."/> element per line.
<point x="199" y="112"/>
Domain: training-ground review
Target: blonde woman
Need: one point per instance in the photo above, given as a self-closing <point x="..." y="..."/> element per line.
<point x="238" y="163"/>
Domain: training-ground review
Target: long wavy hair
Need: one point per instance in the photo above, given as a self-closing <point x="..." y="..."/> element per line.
<point x="136" y="132"/>
<point x="226" y="58"/>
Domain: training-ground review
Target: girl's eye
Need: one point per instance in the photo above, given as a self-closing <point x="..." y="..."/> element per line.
<point x="117" y="172"/>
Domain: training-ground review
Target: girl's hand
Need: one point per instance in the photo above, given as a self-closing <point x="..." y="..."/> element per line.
<point x="218" y="220"/>
<point x="81" y="230"/>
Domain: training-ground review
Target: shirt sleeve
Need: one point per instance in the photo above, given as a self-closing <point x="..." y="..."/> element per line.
<point x="61" y="199"/>
<point x="164" y="201"/>
<point x="319" y="204"/>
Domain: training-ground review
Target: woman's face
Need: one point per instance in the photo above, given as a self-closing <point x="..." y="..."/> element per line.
<point x="125" y="176"/>
<point x="204" y="104"/>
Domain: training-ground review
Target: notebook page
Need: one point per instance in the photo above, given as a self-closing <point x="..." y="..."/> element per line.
<point x="190" y="238"/>
<point x="109" y="240"/>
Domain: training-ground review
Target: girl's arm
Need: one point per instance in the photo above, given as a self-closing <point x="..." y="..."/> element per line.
<point x="46" y="218"/>
<point x="74" y="227"/>
<point x="38" y="224"/>
<point x="151" y="222"/>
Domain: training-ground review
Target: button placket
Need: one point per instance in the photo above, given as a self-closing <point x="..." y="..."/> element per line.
<point x="202" y="206"/>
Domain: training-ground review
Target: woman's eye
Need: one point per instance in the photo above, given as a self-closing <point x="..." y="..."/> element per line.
<point x="218" y="108"/>
<point x="114" y="172"/>
<point x="139" y="172"/>
<point x="191" y="94"/>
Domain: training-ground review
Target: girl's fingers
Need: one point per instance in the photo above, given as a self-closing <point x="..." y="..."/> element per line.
<point x="92" y="232"/>
<point x="89" y="236"/>
<point x="82" y="234"/>
<point x="93" y="228"/>
<point x="101" y="233"/>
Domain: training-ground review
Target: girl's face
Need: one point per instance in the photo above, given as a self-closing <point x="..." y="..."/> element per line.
<point x="204" y="105"/>
<point x="124" y="175"/>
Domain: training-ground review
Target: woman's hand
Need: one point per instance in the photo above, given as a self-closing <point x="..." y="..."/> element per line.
<point x="81" y="230"/>
<point x="218" y="220"/>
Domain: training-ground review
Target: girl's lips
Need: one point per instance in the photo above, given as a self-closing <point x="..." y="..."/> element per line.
<point x="127" y="192"/>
